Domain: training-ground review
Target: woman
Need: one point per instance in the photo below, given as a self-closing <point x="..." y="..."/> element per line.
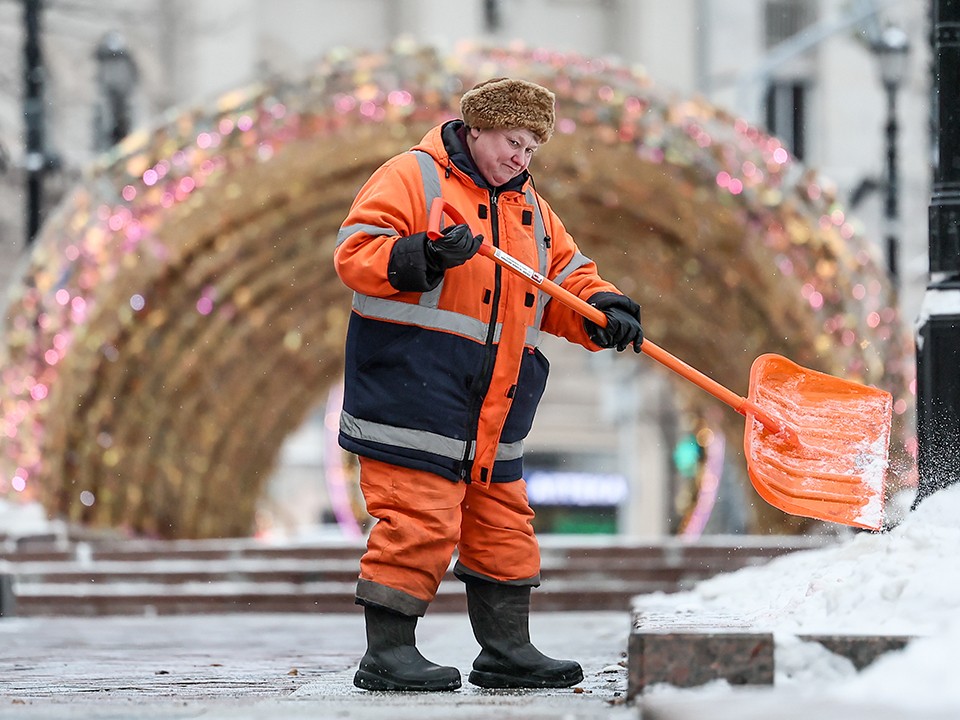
<point x="442" y="381"/>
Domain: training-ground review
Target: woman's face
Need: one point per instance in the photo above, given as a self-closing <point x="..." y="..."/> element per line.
<point x="501" y="155"/>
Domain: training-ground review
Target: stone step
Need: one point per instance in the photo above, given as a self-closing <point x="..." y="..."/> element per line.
<point x="161" y="598"/>
<point x="691" y="650"/>
<point x="51" y="577"/>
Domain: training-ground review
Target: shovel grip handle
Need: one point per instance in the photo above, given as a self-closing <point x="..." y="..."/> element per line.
<point x="439" y="207"/>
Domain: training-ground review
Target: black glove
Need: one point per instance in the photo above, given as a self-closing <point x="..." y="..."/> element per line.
<point x="623" y="322"/>
<point x="457" y="245"/>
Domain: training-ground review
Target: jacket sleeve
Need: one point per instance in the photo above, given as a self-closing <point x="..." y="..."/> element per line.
<point x="380" y="246"/>
<point x="574" y="272"/>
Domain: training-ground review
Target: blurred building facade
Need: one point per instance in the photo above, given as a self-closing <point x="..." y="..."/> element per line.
<point x="802" y="68"/>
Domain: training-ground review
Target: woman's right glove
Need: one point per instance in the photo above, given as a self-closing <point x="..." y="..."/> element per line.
<point x="457" y="245"/>
<point x="623" y="322"/>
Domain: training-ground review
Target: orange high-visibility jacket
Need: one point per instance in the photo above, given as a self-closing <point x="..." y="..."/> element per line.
<point x="442" y="370"/>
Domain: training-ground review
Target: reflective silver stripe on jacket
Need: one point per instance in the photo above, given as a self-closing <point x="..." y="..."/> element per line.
<point x="427" y="317"/>
<point x="577" y="261"/>
<point x="348" y="230"/>
<point x="432" y="318"/>
<point x="424" y="440"/>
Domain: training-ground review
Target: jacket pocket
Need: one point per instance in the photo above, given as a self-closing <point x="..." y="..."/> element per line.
<point x="531" y="383"/>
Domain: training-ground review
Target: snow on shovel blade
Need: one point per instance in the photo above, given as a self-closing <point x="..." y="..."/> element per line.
<point x="835" y="468"/>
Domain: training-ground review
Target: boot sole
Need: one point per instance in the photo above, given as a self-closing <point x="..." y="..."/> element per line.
<point x="370" y="681"/>
<point x="491" y="680"/>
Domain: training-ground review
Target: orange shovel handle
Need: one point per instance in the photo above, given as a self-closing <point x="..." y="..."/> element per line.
<point x="742" y="405"/>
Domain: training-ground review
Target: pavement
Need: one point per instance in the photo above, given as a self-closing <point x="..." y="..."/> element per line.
<point x="248" y="666"/>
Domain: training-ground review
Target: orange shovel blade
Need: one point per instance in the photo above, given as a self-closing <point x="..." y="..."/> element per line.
<point x="835" y="470"/>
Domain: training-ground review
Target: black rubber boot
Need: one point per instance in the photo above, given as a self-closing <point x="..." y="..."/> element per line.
<point x="392" y="661"/>
<point x="500" y="617"/>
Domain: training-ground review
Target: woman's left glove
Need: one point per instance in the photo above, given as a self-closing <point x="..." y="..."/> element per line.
<point x="623" y="322"/>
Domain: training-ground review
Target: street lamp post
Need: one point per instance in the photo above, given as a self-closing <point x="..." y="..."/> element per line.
<point x="938" y="334"/>
<point x="891" y="49"/>
<point x="35" y="158"/>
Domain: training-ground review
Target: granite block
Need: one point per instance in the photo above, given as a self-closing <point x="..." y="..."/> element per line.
<point x="686" y="653"/>
<point x="861" y="650"/>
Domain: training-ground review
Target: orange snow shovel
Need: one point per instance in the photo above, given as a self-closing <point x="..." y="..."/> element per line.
<point x="815" y="445"/>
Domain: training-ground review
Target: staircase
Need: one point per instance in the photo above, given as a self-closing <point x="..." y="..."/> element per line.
<point x="53" y="576"/>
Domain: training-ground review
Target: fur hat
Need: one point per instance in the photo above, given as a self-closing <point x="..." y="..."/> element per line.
<point x="503" y="103"/>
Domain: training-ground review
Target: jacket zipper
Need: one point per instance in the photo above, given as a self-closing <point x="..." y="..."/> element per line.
<point x="482" y="384"/>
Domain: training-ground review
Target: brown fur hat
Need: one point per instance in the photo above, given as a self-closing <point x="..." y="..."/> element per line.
<point x="503" y="103"/>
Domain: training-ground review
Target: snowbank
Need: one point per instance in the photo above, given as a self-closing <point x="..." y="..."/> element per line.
<point x="903" y="582"/>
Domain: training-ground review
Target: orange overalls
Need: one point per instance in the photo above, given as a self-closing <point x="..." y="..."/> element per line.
<point x="443" y="376"/>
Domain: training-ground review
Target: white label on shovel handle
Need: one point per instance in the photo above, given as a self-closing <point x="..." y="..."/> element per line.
<point x="517" y="266"/>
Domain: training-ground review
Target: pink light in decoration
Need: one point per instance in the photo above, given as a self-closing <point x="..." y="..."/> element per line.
<point x="873" y="319"/>
<point x="780" y="156"/>
<point x="204" y="306"/>
<point x="344" y="103"/>
<point x="400" y="97"/>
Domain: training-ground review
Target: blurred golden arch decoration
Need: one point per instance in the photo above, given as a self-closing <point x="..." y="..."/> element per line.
<point x="180" y="314"/>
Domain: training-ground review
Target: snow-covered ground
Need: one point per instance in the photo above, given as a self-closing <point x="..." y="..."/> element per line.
<point x="902" y="582"/>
